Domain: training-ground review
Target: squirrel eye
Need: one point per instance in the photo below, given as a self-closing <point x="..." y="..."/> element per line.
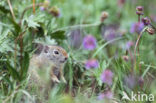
<point x="56" y="52"/>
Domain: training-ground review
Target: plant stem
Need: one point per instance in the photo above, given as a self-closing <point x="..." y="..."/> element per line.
<point x="29" y="7"/>
<point x="12" y="12"/>
<point x="132" y="58"/>
<point x="138" y="18"/>
<point x="137" y="44"/>
<point x="78" y="26"/>
<point x="20" y="37"/>
<point x="34" y="6"/>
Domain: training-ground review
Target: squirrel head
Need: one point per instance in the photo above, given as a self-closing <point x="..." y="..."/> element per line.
<point x="55" y="54"/>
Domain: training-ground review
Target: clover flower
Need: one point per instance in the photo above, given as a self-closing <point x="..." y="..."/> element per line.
<point x="42" y="8"/>
<point x="136" y="27"/>
<point x="89" y="42"/>
<point x="146" y="21"/>
<point x="92" y="63"/>
<point x="110" y="34"/>
<point x="139" y="10"/>
<point x="107" y="94"/>
<point x="107" y="77"/>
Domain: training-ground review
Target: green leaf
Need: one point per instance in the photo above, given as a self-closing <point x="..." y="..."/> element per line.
<point x="13" y="71"/>
<point x="104" y="45"/>
<point x="7" y="80"/>
<point x="31" y="22"/>
<point x="4" y="10"/>
<point x="58" y="35"/>
<point x="17" y="27"/>
<point x="25" y="65"/>
<point x="146" y="71"/>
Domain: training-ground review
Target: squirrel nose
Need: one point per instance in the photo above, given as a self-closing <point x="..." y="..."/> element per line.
<point x="65" y="58"/>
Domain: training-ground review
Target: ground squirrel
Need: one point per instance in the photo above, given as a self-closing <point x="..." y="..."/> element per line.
<point x="48" y="59"/>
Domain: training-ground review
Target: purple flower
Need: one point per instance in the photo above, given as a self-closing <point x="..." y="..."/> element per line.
<point x="92" y="63"/>
<point x="136" y="27"/>
<point x="89" y="42"/>
<point x="42" y="8"/>
<point x="107" y="94"/>
<point x="107" y="76"/>
<point x="139" y="10"/>
<point x="146" y="21"/>
<point x="128" y="45"/>
<point x="110" y="34"/>
<point x="101" y="96"/>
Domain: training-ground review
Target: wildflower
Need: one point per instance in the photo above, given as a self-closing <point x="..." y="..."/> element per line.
<point x="45" y="5"/>
<point x="92" y="63"/>
<point x="128" y="45"/>
<point x="89" y="42"/>
<point x="107" y="94"/>
<point x="101" y="96"/>
<point x="125" y="58"/>
<point x="136" y="27"/>
<point x="150" y="30"/>
<point x="141" y="81"/>
<point x="55" y="11"/>
<point x="139" y="10"/>
<point x="75" y="38"/>
<point x="107" y="76"/>
<point x="110" y="34"/>
<point x="146" y="21"/>
<point x="42" y="8"/>
<point x="104" y="15"/>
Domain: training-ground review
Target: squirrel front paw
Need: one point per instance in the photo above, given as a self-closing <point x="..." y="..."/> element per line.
<point x="55" y="80"/>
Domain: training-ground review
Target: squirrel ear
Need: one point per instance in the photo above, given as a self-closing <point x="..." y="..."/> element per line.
<point x="38" y="47"/>
<point x="46" y="48"/>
